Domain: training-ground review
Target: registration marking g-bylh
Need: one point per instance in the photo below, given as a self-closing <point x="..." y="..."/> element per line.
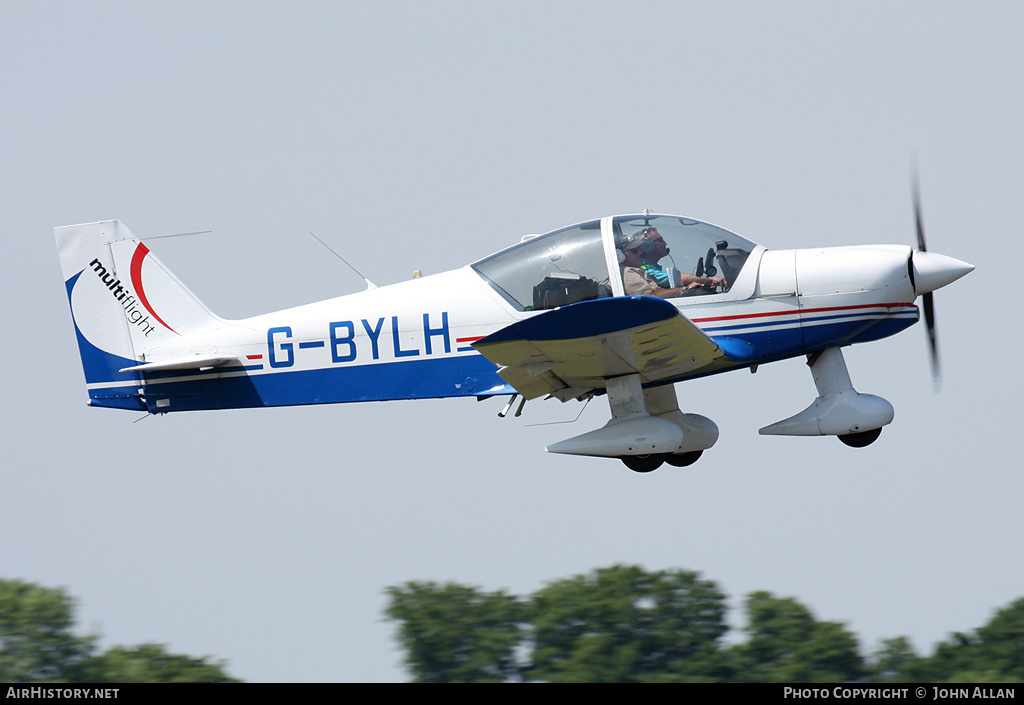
<point x="347" y="341"/>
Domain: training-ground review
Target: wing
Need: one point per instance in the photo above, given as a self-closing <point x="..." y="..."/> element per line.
<point x="572" y="350"/>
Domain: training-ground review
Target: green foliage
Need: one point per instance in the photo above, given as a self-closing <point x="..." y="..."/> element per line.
<point x="897" y="662"/>
<point x="787" y="645"/>
<point x="995" y="653"/>
<point x="150" y="663"/>
<point x="36" y="642"/>
<point x="37" y="645"/>
<point x="623" y="624"/>
<point x="457" y="634"/>
<point x="617" y="624"/>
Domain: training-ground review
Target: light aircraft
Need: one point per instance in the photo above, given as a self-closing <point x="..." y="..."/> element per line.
<point x="549" y="316"/>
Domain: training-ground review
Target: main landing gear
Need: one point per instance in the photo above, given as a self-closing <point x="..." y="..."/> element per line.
<point x="646" y="430"/>
<point x="649" y="463"/>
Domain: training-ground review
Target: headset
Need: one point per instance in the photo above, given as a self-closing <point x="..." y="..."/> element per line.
<point x="646" y="246"/>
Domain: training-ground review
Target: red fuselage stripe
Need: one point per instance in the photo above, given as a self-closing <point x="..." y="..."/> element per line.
<point x="801" y="311"/>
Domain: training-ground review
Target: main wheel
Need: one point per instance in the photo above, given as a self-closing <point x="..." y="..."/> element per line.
<point x="681" y="460"/>
<point x="642" y="463"/>
<point x="859" y="440"/>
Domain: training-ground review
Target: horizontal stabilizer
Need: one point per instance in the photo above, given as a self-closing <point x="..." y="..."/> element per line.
<point x="578" y="347"/>
<point x="190" y="362"/>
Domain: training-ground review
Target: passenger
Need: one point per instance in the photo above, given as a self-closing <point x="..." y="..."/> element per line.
<point x="638" y="280"/>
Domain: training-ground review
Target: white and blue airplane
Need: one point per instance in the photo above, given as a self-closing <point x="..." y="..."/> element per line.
<point x="548" y="317"/>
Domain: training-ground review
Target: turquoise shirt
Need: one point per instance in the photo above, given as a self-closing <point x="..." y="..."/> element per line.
<point x="659" y="274"/>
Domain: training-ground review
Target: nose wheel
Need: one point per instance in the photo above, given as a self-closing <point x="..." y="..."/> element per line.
<point x="859" y="440"/>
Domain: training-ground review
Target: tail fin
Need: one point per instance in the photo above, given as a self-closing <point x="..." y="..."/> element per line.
<point x="124" y="303"/>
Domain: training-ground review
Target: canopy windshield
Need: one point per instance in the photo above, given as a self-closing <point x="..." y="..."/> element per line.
<point x="572" y="264"/>
<point x="559" y="268"/>
<point x="690" y="249"/>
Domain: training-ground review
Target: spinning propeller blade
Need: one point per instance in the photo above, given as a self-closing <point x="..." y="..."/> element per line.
<point x="927" y="299"/>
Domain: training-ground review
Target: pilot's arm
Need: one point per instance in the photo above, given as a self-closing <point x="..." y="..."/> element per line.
<point x="636" y="282"/>
<point x="691" y="280"/>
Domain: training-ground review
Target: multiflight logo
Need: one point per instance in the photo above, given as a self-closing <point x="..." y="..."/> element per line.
<point x="124" y="297"/>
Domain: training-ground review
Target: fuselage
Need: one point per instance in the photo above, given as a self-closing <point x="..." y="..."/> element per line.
<point x="414" y="339"/>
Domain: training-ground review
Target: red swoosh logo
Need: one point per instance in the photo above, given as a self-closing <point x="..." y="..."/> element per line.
<point x="136" y="270"/>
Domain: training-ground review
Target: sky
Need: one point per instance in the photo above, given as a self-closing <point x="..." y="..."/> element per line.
<point x="425" y="136"/>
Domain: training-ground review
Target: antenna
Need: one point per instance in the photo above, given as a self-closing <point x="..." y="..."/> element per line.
<point x="157" y="237"/>
<point x="555" y="423"/>
<point x="369" y="284"/>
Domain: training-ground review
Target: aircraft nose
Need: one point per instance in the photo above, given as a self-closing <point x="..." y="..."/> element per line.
<point x="933" y="271"/>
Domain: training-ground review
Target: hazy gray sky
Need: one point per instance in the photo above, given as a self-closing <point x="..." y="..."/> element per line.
<point x="426" y="135"/>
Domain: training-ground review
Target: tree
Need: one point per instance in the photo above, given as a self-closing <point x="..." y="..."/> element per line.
<point x="150" y="663"/>
<point x="36" y="641"/>
<point x="897" y="662"/>
<point x="1002" y="641"/>
<point x="994" y="653"/>
<point x="623" y="624"/>
<point x="787" y="645"/>
<point x="457" y="634"/>
<point x="37" y="645"/>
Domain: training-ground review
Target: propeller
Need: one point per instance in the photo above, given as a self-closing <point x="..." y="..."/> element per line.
<point x="927" y="299"/>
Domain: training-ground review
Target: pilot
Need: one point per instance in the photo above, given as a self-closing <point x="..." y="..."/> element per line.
<point x="655" y="249"/>
<point x="638" y="279"/>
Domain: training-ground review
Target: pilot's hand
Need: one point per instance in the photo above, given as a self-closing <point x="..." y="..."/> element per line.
<point x="708" y="283"/>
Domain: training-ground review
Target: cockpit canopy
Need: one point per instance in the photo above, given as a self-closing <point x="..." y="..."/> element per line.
<point x="583" y="261"/>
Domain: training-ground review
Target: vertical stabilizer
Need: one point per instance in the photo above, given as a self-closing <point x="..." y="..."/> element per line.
<point x="124" y="302"/>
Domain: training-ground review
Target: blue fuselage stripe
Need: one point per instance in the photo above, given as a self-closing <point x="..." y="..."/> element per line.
<point x="465" y="375"/>
<point x="815" y="320"/>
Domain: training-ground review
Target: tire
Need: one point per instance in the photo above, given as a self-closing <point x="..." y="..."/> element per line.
<point x="642" y="463"/>
<point x="859" y="440"/>
<point x="682" y="460"/>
